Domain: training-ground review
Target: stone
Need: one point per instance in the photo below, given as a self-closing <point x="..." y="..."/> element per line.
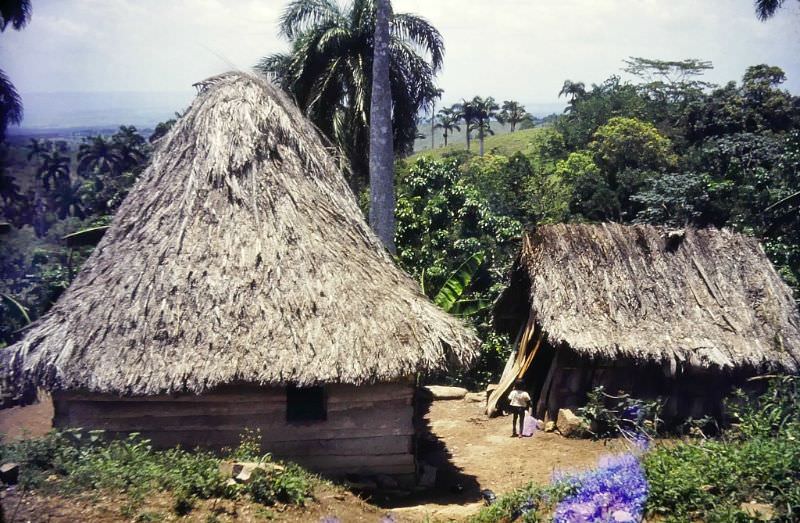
<point x="550" y="426"/>
<point x="475" y="397"/>
<point x="570" y="425"/>
<point x="758" y="511"/>
<point x="9" y="473"/>
<point x="442" y="392"/>
<point x="242" y="472"/>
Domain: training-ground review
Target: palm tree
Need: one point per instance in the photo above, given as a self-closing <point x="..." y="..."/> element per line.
<point x="572" y="90"/>
<point x="17" y="13"/>
<point x="67" y="199"/>
<point x="99" y="155"/>
<point x="37" y="148"/>
<point x="10" y="105"/>
<point x="328" y="71"/>
<point x="448" y="122"/>
<point x="485" y="110"/>
<point x="54" y="168"/>
<point x="469" y="113"/>
<point x="381" y="151"/>
<point x="513" y="113"/>
<point x="766" y="9"/>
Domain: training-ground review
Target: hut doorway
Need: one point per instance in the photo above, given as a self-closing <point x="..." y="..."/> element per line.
<point x="531" y="361"/>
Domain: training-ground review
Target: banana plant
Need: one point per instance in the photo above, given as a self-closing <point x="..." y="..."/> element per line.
<point x="451" y="297"/>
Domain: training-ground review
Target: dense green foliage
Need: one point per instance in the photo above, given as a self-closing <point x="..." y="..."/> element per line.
<point x="757" y="459"/>
<point x="50" y="189"/>
<point x="668" y="149"/>
<point x="71" y="462"/>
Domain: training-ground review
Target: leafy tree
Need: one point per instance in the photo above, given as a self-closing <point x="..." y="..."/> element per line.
<point x="675" y="199"/>
<point x="448" y="122"/>
<point x="513" y="113"/>
<point x="628" y="143"/>
<point x="381" y="157"/>
<point x="328" y="71"/>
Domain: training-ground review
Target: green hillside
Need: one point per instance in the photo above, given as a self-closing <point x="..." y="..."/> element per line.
<point x="505" y="144"/>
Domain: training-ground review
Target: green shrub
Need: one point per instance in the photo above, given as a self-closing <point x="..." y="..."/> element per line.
<point x="756" y="459"/>
<point x="86" y="461"/>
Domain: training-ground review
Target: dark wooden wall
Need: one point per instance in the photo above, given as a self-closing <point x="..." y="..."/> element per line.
<point x="369" y="429"/>
<point x="687" y="393"/>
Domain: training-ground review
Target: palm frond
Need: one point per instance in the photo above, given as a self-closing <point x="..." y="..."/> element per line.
<point x="301" y="15"/>
<point x="418" y="31"/>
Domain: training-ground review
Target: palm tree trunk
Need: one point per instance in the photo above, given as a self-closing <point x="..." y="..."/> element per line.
<point x="469" y="132"/>
<point x="480" y="136"/>
<point x="433" y="123"/>
<point x="445" y="138"/>
<point x="381" y="153"/>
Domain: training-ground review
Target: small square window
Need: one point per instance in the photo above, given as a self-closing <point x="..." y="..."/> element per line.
<point x="306" y="404"/>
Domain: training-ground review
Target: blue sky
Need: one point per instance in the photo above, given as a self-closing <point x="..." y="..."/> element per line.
<point x="509" y="49"/>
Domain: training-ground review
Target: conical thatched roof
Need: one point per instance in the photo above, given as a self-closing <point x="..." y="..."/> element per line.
<point x="702" y="297"/>
<point x="239" y="256"/>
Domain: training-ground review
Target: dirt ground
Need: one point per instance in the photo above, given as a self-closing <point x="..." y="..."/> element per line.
<point x="471" y="452"/>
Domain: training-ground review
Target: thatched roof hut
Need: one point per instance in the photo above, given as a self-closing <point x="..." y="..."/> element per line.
<point x="689" y="300"/>
<point x="239" y="257"/>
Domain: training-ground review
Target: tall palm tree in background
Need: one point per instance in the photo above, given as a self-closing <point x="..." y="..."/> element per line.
<point x="513" y="113"/>
<point x="38" y="147"/>
<point x="572" y="90"/>
<point x="381" y="151"/>
<point x="328" y="71"/>
<point x="15" y="13"/>
<point x="448" y="119"/>
<point x="99" y="154"/>
<point x="54" y="168"/>
<point x="485" y="110"/>
<point x="468" y="112"/>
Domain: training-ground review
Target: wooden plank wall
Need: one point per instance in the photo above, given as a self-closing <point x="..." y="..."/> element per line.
<point x="369" y="429"/>
<point x="692" y="393"/>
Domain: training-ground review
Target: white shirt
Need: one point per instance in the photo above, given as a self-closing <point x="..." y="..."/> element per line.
<point x="519" y="398"/>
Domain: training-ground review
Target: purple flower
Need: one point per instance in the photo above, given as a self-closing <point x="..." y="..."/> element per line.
<point x="330" y="519"/>
<point x="616" y="491"/>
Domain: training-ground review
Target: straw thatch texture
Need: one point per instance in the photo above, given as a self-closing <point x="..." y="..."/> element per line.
<point x="703" y="297"/>
<point x="239" y="256"/>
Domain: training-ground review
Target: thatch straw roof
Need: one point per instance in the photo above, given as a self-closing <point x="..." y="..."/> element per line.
<point x="699" y="297"/>
<point x="239" y="256"/>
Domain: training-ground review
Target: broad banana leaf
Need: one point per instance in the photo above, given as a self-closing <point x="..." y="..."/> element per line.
<point x="457" y="283"/>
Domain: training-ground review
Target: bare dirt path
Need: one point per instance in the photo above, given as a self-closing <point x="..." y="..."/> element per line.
<point x="476" y="452"/>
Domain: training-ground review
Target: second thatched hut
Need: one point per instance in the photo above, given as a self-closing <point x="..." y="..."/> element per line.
<point x="240" y="287"/>
<point x="682" y="315"/>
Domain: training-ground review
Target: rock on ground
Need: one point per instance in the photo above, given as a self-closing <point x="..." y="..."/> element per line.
<point x="570" y="425"/>
<point x="441" y="392"/>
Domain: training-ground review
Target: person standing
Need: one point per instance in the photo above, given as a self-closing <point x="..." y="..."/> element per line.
<point x="519" y="401"/>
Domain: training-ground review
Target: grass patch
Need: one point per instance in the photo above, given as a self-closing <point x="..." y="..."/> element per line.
<point x="505" y="144"/>
<point x="72" y="462"/>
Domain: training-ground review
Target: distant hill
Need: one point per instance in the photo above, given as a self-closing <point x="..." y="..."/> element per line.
<point x="505" y="144"/>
